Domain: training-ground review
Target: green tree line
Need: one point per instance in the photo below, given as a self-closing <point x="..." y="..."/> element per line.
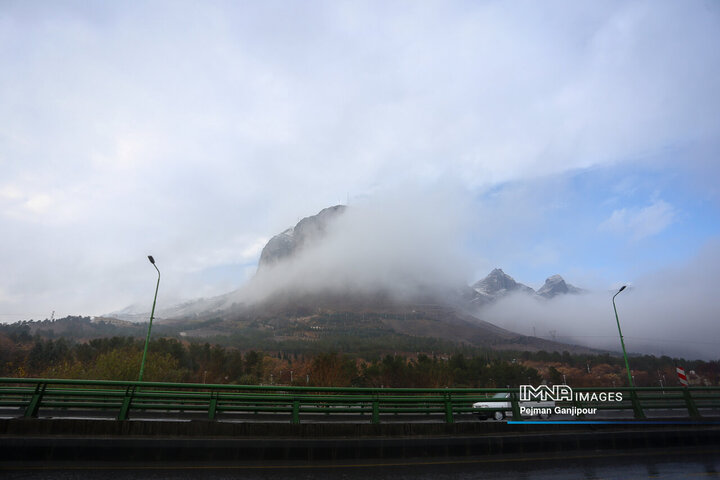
<point x="118" y="358"/>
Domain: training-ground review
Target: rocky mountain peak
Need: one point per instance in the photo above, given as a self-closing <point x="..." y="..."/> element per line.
<point x="499" y="283"/>
<point x="306" y="231"/>
<point x="556" y="285"/>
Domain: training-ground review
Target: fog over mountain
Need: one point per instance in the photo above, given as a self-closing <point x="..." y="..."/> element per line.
<point x="672" y="312"/>
<point x="365" y="249"/>
<point x="402" y="244"/>
<point x="411" y="245"/>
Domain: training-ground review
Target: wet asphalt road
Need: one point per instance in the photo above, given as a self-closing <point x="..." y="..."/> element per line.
<point x="692" y="463"/>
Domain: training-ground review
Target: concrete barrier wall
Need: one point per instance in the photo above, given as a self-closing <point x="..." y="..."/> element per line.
<point x="29" y="440"/>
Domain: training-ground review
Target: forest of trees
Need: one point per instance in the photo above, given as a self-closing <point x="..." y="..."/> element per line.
<point x="118" y="358"/>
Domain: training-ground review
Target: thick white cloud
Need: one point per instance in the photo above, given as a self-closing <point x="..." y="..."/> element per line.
<point x="405" y="242"/>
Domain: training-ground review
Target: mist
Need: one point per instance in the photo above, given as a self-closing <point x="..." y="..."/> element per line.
<point x="402" y="243"/>
<point x="411" y="241"/>
<point x="673" y="311"/>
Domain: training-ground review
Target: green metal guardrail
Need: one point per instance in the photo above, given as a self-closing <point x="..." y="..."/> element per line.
<point x="122" y="398"/>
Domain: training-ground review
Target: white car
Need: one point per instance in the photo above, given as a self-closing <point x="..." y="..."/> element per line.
<point x="527" y="409"/>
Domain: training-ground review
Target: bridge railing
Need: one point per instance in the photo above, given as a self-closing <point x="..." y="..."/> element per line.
<point x="124" y="399"/>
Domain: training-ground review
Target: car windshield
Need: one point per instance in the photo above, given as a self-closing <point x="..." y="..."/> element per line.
<point x="500" y="395"/>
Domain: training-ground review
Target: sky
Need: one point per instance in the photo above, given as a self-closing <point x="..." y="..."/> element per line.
<point x="577" y="138"/>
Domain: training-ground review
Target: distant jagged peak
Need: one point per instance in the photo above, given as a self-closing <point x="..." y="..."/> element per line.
<point x="499" y="283"/>
<point x="556" y="285"/>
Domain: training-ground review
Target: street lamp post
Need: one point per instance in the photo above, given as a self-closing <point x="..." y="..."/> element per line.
<point x="622" y="342"/>
<point x="152" y="314"/>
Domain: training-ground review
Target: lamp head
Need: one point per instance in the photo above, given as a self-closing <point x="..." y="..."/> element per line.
<point x="622" y="288"/>
<point x="152" y="260"/>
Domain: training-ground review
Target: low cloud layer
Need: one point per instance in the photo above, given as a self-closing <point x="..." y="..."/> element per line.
<point x="398" y="242"/>
<point x="672" y="312"/>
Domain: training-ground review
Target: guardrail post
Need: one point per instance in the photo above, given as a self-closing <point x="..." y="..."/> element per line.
<point x="212" y="408"/>
<point x="637" y="408"/>
<point x="515" y="407"/>
<point x="32" y="409"/>
<point x="692" y="408"/>
<point x="129" y="393"/>
<point x="376" y="411"/>
<point x="296" y="412"/>
<point x="448" y="409"/>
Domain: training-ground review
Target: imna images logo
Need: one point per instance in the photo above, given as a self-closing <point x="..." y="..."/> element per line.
<point x="543" y="393"/>
<point x="560" y="393"/>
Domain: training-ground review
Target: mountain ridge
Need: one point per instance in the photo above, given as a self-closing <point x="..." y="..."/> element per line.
<point x="451" y="313"/>
<point x="498" y="284"/>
